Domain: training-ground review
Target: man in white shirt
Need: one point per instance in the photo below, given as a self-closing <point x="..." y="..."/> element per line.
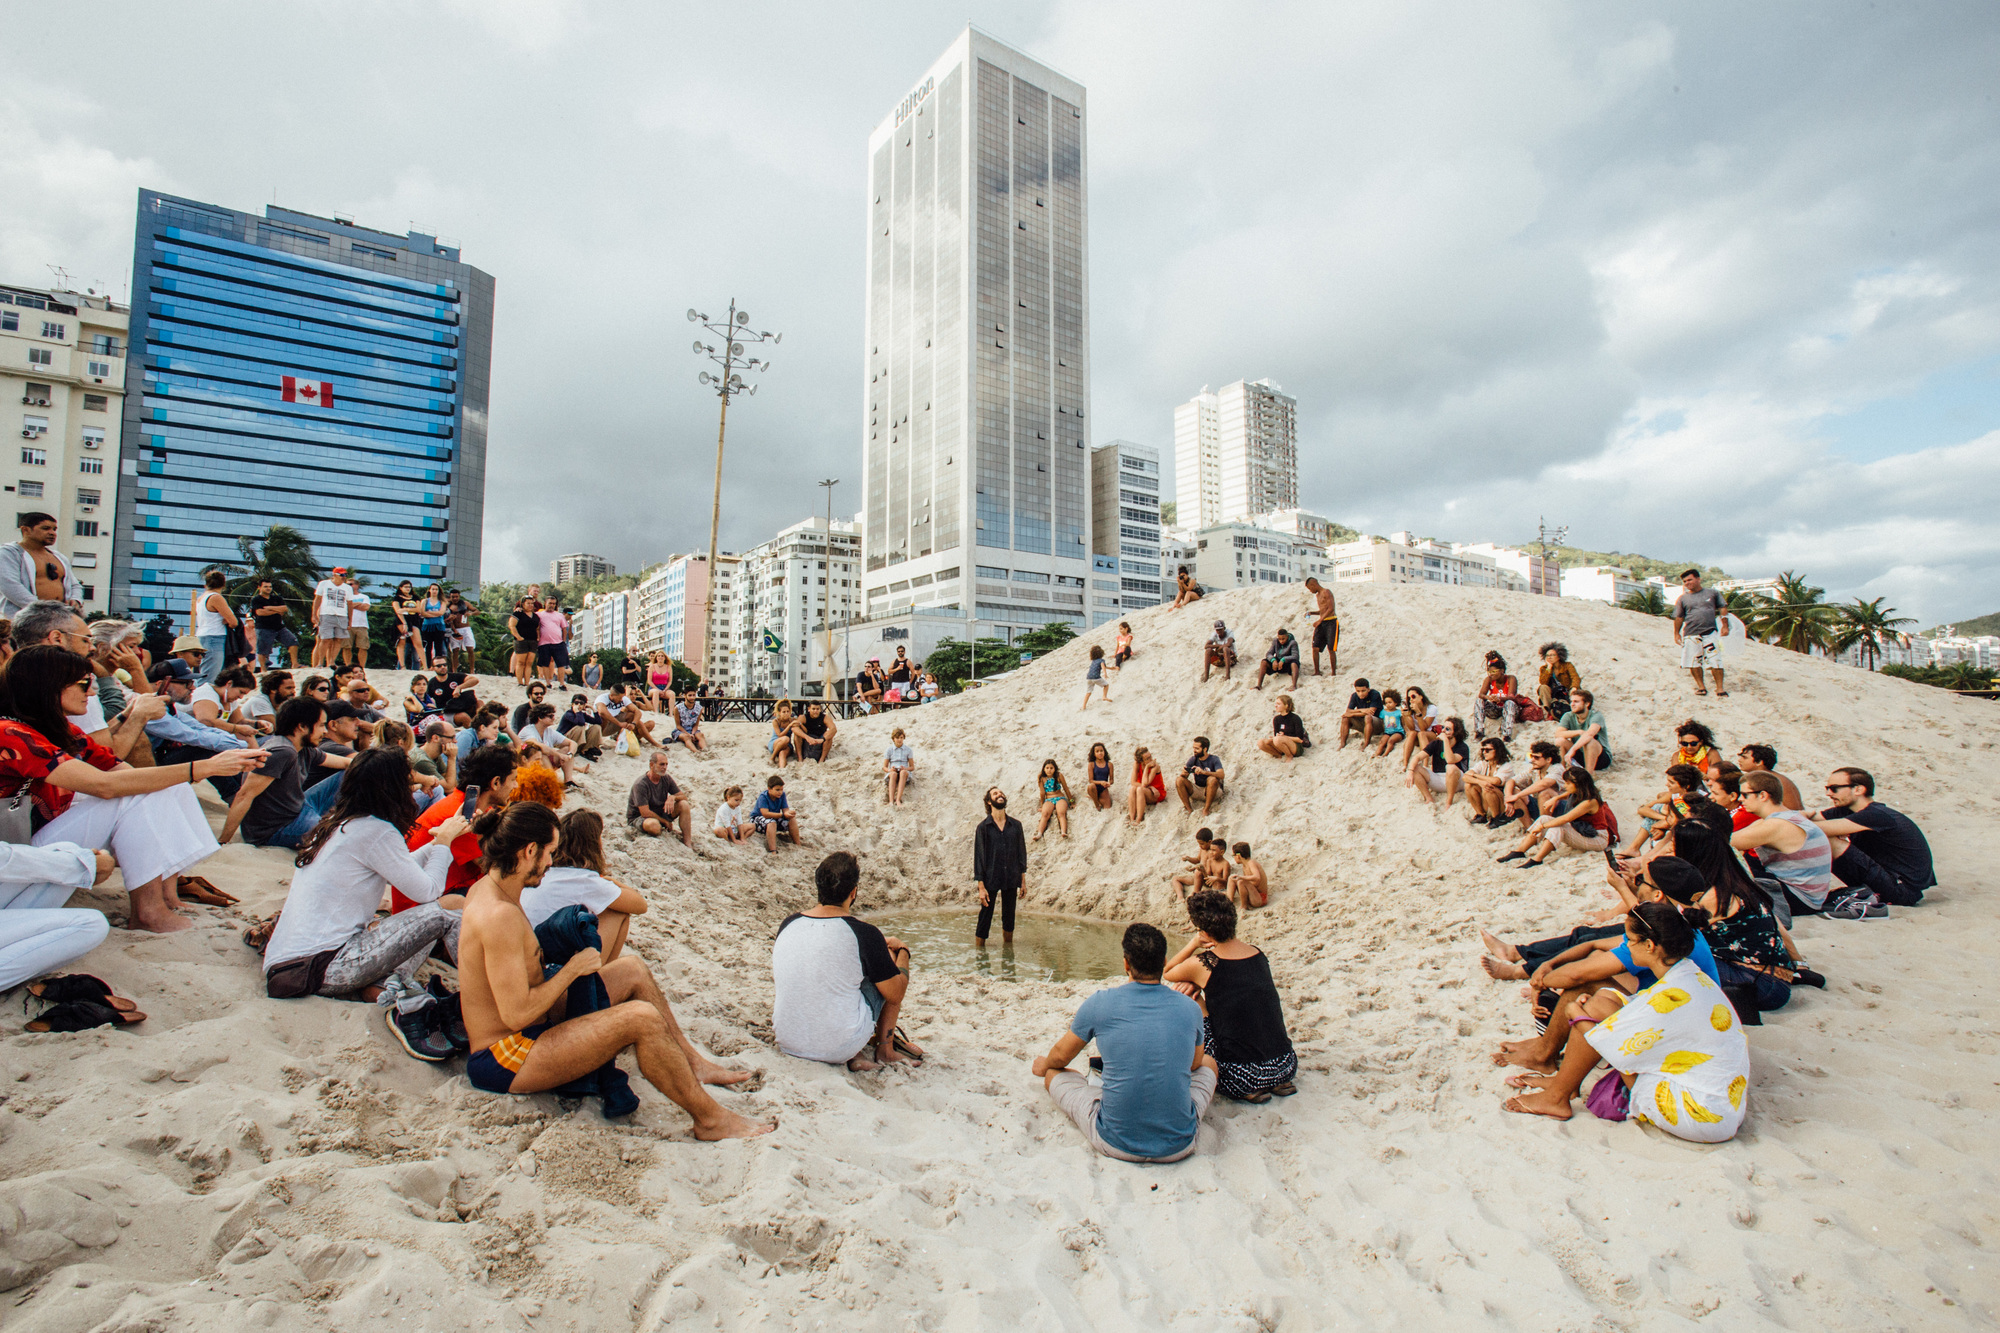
<point x="33" y="570"/>
<point x="616" y="712"/>
<point x="329" y="616"/>
<point x="839" y="982"/>
<point x="357" y="628"/>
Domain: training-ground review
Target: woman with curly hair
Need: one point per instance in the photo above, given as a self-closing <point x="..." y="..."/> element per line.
<point x="1243" y="1020"/>
<point x="1558" y="679"/>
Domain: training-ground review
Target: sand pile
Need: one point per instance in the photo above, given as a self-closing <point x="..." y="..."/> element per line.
<point x="282" y="1163"/>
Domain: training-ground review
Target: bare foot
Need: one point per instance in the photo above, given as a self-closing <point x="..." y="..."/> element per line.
<point x="730" y="1125"/>
<point x="1529" y="1082"/>
<point x="862" y="1065"/>
<point x="1539" y="1102"/>
<point x="1498" y="947"/>
<point x="164" y="923"/>
<point x="887" y="1054"/>
<point x="709" y="1072"/>
<point x="1502" y="970"/>
<point x="1522" y="1053"/>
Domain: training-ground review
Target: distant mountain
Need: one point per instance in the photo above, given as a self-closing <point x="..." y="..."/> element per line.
<point x="1642" y="565"/>
<point x="1972" y="629"/>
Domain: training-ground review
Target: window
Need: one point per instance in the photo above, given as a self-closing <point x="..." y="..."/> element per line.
<point x="103" y="344"/>
<point x="38" y="395"/>
<point x="88" y="497"/>
<point x="96" y="402"/>
<point x="30" y="490"/>
<point x="34" y="457"/>
<point x="89" y="591"/>
<point x="9" y="321"/>
<point x="86" y="527"/>
<point x="100" y="370"/>
<point x="50" y="329"/>
<point x="41" y="356"/>
<point x="84" y="559"/>
<point x="91" y="465"/>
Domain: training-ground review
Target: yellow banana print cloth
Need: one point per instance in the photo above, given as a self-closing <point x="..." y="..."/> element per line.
<point x="1684" y="1042"/>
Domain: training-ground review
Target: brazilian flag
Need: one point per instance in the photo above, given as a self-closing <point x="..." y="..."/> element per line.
<point x="772" y="643"/>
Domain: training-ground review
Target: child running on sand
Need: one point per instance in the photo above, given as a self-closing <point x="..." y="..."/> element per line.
<point x="1093" y="677"/>
<point x="1249" y="886"/>
<point x="1056" y="798"/>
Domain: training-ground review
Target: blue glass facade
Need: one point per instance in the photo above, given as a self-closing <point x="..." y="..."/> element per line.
<point x="388" y="478"/>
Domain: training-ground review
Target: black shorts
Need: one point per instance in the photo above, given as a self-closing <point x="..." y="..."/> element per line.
<point x="522" y="647"/>
<point x="552" y="654"/>
<point x="1326" y="634"/>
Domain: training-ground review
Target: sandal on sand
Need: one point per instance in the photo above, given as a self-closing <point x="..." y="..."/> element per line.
<point x="1701" y="694"/>
<point x="198" y="889"/>
<point x="78" y="986"/>
<point x="81" y="1015"/>
<point x="899" y="1042"/>
<point x="259" y="935"/>
<point x="1511" y="856"/>
<point x="1254" y="1098"/>
<point x="1286" y="1089"/>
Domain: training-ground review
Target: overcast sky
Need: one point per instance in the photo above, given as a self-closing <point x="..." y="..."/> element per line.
<point x="1700" y="280"/>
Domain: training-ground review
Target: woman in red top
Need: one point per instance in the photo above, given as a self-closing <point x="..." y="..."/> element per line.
<point x="1149" y="786"/>
<point x="1496" y="699"/>
<point x="147" y="818"/>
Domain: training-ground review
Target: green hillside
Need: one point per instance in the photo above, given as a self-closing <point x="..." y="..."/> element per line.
<point x="1642" y="565"/>
<point x="1972" y="629"/>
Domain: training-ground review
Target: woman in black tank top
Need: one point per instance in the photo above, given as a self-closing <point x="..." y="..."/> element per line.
<point x="1244" y="1029"/>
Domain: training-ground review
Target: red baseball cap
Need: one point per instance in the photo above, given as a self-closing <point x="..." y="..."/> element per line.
<point x="340" y="569"/>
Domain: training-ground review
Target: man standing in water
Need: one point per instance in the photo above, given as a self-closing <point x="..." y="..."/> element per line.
<point x="999" y="867"/>
<point x="1326" y="627"/>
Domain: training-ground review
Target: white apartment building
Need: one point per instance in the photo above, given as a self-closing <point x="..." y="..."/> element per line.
<point x="1243" y="555"/>
<point x="975" y="447"/>
<point x="1236" y="453"/>
<point x="570" y="568"/>
<point x="62" y="389"/>
<point x="1604" y="583"/>
<point x="604" y="621"/>
<point x="1125" y="529"/>
<point x="1404" y="558"/>
<point x="1520" y="571"/>
<point x="672" y="601"/>
<point x="1314" y="528"/>
<point x="1764" y="587"/>
<point x="1982" y="652"/>
<point x="784" y="591"/>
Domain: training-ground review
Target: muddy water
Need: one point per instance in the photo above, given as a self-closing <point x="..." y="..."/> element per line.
<point x="1045" y="948"/>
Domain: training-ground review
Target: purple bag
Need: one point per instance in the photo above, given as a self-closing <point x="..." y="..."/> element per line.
<point x="1610" y="1099"/>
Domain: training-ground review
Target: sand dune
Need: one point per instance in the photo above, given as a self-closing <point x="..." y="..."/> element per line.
<point x="282" y="1164"/>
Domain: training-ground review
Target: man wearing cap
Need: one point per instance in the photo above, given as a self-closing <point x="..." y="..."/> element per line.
<point x="329" y="616"/>
<point x="1220" y="651"/>
<point x="178" y="736"/>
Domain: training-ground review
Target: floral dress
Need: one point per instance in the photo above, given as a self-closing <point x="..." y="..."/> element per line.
<point x="1683" y="1041"/>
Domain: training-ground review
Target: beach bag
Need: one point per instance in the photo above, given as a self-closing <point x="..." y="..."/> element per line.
<point x="1610" y="1099"/>
<point x="1610" y="821"/>
<point x="17" y="817"/>
<point x="628" y="744"/>
<point x="1529" y="710"/>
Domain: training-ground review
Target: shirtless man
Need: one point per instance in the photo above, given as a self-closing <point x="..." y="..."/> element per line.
<point x="520" y="1042"/>
<point x="1249" y="886"/>
<point x="33" y="570"/>
<point x="1764" y="759"/>
<point x="1326" y="627"/>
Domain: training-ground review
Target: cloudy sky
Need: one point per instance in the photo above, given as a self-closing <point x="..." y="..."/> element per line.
<point x="1700" y="280"/>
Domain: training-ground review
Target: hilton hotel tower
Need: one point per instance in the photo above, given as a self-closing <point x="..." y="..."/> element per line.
<point x="976" y="446"/>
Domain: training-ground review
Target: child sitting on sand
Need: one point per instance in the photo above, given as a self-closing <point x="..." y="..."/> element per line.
<point x="1210" y="865"/>
<point x="1097" y="776"/>
<point x="1123" y="650"/>
<point x="1055" y="796"/>
<point x="1392" y="723"/>
<point x="732" y="821"/>
<point x="898" y="762"/>
<point x="1677" y="802"/>
<point x="1249" y="886"/>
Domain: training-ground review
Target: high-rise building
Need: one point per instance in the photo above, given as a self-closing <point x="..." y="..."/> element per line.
<point x="1124" y="528"/>
<point x="306" y="371"/>
<point x="787" y="591"/>
<point x="570" y="568"/>
<point x="62" y="382"/>
<point x="672" y="602"/>
<point x="1531" y="571"/>
<point x="975" y="447"/>
<point x="1236" y="454"/>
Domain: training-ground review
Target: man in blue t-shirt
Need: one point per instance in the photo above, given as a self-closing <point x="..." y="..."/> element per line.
<point x="1157" y="1078"/>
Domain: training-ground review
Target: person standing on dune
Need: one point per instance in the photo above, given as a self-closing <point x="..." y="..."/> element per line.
<point x="1326" y="627"/>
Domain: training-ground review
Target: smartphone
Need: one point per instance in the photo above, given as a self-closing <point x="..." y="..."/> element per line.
<point x="1611" y="858"/>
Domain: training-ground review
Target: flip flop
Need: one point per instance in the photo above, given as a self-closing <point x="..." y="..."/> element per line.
<point x="198" y="889"/>
<point x="1254" y="1098"/>
<point x="258" y="937"/>
<point x="1286" y="1089"/>
<point x="898" y="1042"/>
<point x="81" y="1015"/>
<point x="78" y="986"/>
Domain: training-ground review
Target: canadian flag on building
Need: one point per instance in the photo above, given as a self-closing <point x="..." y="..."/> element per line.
<point x="316" y="393"/>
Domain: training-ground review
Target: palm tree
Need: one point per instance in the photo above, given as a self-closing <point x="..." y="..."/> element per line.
<point x="1964" y="676"/>
<point x="282" y="555"/>
<point x="1867" y="626"/>
<point x="1794" y="615"/>
<point x="1649" y="600"/>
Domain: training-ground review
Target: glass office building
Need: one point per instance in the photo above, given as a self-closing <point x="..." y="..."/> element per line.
<point x="299" y="370"/>
<point x="976" y="448"/>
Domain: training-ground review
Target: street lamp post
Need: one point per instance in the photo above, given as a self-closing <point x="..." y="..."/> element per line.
<point x="737" y="338"/>
<point x="1549" y="539"/>
<point x="826" y="670"/>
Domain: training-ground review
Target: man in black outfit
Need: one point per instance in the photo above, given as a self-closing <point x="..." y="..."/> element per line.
<point x="1364" y="713"/>
<point x="267" y="614"/>
<point x="999" y="867"/>
<point x="1875" y="846"/>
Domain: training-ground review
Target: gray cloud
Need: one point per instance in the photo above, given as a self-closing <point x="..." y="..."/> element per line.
<point x="1629" y="268"/>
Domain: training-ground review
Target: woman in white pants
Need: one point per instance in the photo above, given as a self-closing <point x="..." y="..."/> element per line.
<point x="148" y="818"/>
<point x="37" y="933"/>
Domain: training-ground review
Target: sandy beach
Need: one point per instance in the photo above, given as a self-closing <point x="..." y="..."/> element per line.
<point x="241" y="1161"/>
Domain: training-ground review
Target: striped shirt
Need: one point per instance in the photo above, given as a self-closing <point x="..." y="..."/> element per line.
<point x="1808" y="872"/>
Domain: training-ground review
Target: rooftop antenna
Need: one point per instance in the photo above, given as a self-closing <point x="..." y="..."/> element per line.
<point x="61" y="276"/>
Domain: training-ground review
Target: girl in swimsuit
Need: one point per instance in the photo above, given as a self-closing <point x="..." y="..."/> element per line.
<point x="1097" y="780"/>
<point x="1056" y="799"/>
<point x="1149" y="786"/>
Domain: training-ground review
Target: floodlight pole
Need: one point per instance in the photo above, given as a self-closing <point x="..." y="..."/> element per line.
<point x="1548" y="539"/>
<point x="736" y="337"/>
<point x="826" y="671"/>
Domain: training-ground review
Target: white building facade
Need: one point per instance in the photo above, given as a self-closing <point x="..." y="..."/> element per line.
<point x="1244" y="555"/>
<point x="604" y="621"/>
<point x="1125" y="530"/>
<point x="1602" y="583"/>
<point x="570" y="568"/>
<point x="783" y="594"/>
<point x="1404" y="558"/>
<point x="976" y="386"/>
<point x="1236" y="454"/>
<point x="1524" y="571"/>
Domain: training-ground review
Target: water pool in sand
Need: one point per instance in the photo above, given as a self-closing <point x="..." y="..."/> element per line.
<point x="1045" y="948"/>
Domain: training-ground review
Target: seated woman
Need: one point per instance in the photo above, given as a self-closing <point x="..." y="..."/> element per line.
<point x="1559" y="678"/>
<point x="659" y="695"/>
<point x="1097" y="776"/>
<point x="328" y="942"/>
<point x="780" y="746"/>
<point x="1755" y="958"/>
<point x="1579" y="821"/>
<point x="485" y="730"/>
<point x="148" y="818"/>
<point x="1496" y="699"/>
<point x="577" y="878"/>
<point x="1055" y="797"/>
<point x="1441" y="766"/>
<point x="1392" y="723"/>
<point x="1697" y="746"/>
<point x="1185" y="589"/>
<point x="416" y="702"/>
<point x="1149" y="786"/>
<point x="1288" y="739"/>
<point x="1420" y="721"/>
<point x="1243" y="1020"/>
<point x="1486" y="781"/>
<point x="1676" y="1046"/>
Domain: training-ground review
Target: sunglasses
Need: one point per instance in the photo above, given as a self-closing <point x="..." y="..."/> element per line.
<point x="1838" y="786"/>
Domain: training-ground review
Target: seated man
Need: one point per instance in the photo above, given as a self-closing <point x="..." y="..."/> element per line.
<point x="1219" y="651"/>
<point x="838" y="982"/>
<point x="514" y="1019"/>
<point x="261" y="709"/>
<point x="179" y="737"/>
<point x="687" y="723"/>
<point x="538" y="693"/>
<point x="1528" y="799"/>
<point x="539" y="738"/>
<point x="812" y="734"/>
<point x="220" y="705"/>
<point x="1280" y="657"/>
<point x="773" y="815"/>
<point x="616" y="712"/>
<point x="273" y="807"/>
<point x="580" y="724"/>
<point x="1363" y="713"/>
<point x="1158" y="1081"/>
<point x="1202" y="773"/>
<point x="1791" y="848"/>
<point x="1875" y="847"/>
<point x="1764" y="759"/>
<point x="1583" y="732"/>
<point x="656" y="802"/>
